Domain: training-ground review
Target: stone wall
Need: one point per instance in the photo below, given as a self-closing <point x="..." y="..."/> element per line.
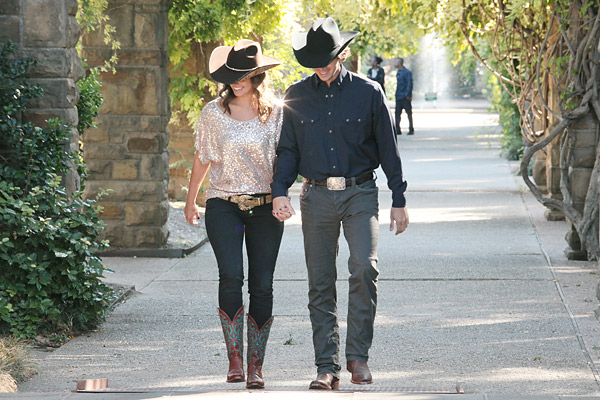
<point x="47" y="31"/>
<point x="127" y="153"/>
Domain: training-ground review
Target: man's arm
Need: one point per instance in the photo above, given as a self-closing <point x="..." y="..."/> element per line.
<point x="286" y="170"/>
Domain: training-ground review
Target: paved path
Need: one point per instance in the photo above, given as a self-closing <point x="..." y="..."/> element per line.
<point x="477" y="292"/>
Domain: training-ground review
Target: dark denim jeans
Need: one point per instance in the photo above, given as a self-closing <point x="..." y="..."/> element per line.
<point x="227" y="226"/>
<point x="323" y="213"/>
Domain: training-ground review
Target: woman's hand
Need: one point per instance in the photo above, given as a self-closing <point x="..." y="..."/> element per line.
<point x="192" y="213"/>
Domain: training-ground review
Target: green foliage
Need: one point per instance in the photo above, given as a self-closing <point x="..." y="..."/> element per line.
<point x="49" y="276"/>
<point x="90" y="100"/>
<point x="92" y="16"/>
<point x="509" y="117"/>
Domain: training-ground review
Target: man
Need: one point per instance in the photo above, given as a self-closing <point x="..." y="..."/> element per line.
<point x="337" y="128"/>
<point x="404" y="86"/>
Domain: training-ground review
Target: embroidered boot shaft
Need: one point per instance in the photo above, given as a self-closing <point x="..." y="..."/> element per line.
<point x="257" y="344"/>
<point x="233" y="330"/>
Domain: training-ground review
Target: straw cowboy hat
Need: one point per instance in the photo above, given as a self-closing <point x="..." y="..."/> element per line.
<point x="321" y="44"/>
<point x="229" y="64"/>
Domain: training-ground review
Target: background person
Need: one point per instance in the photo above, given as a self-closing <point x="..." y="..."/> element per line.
<point x="404" y="87"/>
<point x="376" y="73"/>
<point x="237" y="136"/>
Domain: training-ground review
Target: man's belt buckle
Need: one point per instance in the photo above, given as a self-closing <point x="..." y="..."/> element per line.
<point x="246" y="202"/>
<point x="336" y="183"/>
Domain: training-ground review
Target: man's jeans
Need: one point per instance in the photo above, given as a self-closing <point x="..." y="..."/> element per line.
<point x="323" y="211"/>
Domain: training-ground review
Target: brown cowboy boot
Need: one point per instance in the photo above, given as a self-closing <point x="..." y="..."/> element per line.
<point x="233" y="330"/>
<point x="257" y="344"/>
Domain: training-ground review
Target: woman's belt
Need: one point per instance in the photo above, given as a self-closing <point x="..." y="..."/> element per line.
<point x="340" y="183"/>
<point x="247" y="202"/>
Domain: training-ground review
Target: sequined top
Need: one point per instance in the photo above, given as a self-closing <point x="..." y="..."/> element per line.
<point x="241" y="153"/>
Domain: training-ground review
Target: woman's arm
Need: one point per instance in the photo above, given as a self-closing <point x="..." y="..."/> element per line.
<point x="199" y="170"/>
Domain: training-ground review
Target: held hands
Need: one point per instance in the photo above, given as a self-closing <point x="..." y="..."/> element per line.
<point x="192" y="213"/>
<point x="398" y="216"/>
<point x="282" y="208"/>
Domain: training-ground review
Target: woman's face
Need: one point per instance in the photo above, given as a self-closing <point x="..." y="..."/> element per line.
<point x="242" y="88"/>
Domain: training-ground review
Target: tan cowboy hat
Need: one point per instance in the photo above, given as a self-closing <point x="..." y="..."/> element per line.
<point x="229" y="64"/>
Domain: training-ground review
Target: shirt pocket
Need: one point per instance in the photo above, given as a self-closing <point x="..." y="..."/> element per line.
<point x="356" y="127"/>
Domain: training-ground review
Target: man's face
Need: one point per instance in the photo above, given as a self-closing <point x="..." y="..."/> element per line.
<point x="329" y="73"/>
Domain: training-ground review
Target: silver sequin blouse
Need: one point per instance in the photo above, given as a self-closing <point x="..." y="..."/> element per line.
<point x="241" y="153"/>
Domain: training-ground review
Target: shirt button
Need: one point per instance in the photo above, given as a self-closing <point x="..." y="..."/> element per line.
<point x="331" y="95"/>
<point x="331" y="149"/>
<point x="326" y="96"/>
<point x="347" y="120"/>
<point x="329" y="113"/>
<point x="334" y="167"/>
<point x="312" y="120"/>
<point x="359" y="120"/>
<point x="330" y="131"/>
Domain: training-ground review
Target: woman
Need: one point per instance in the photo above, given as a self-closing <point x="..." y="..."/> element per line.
<point x="377" y="73"/>
<point x="237" y="136"/>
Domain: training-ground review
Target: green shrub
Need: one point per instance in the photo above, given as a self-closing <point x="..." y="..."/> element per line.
<point x="509" y="118"/>
<point x="49" y="276"/>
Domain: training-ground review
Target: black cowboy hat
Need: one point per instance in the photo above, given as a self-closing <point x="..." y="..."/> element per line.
<point x="229" y="64"/>
<point x="321" y="44"/>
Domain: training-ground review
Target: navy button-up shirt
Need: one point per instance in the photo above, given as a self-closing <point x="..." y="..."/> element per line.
<point x="345" y="129"/>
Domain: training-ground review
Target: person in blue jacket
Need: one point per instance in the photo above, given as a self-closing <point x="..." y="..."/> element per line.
<point x="404" y="86"/>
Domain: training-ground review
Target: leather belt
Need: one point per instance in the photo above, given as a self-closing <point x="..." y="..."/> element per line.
<point x="341" y="183"/>
<point x="247" y="202"/>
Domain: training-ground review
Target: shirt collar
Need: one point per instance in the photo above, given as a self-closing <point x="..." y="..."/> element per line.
<point x="343" y="77"/>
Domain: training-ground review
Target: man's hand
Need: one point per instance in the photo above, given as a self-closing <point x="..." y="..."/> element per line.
<point x="282" y="208"/>
<point x="399" y="216"/>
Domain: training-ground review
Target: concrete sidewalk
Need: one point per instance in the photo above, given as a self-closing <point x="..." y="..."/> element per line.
<point x="477" y="293"/>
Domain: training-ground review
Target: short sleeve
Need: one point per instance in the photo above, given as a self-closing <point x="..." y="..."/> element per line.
<point x="205" y="135"/>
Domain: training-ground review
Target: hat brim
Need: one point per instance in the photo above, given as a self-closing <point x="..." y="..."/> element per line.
<point x="318" y="60"/>
<point x="220" y="72"/>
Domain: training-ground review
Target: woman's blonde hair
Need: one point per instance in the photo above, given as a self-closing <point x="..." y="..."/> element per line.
<point x="262" y="98"/>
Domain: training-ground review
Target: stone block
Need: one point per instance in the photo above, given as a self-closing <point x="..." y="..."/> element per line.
<point x="125" y="170"/>
<point x="72" y="32"/>
<point x="9" y="7"/>
<point x="121" y="17"/>
<point x="145" y="143"/>
<point x="117" y="235"/>
<point x="150" y="191"/>
<point x="184" y="142"/>
<point x="146" y="26"/>
<point x="72" y="7"/>
<point x="151" y="237"/>
<point x="99" y="169"/>
<point x="44" y="23"/>
<point x="553" y="179"/>
<point x="178" y="188"/>
<point x="580" y="180"/>
<point x="135" y="87"/>
<point x="95" y="135"/>
<point x="155" y="167"/>
<point x="112" y="211"/>
<point x="146" y="214"/>
<point x="51" y="63"/>
<point x="41" y="116"/>
<point x="153" y="123"/>
<point x="58" y="93"/>
<point x="583" y="157"/>
<point x="121" y="123"/>
<point x="10" y="28"/>
<point x="103" y="151"/>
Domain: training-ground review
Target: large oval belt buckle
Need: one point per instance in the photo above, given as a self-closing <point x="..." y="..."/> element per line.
<point x="245" y="202"/>
<point x="336" y="183"/>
